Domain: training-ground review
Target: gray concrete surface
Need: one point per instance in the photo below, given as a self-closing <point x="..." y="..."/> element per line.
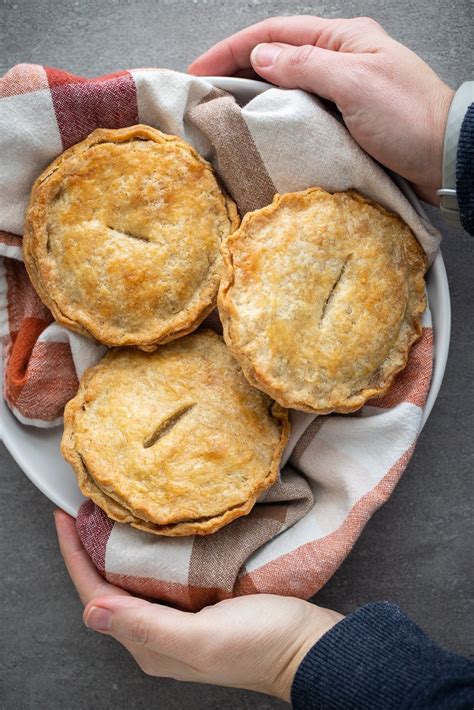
<point x="413" y="552"/>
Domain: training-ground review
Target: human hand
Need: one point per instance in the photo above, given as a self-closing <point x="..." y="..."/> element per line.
<point x="255" y="642"/>
<point x="392" y="103"/>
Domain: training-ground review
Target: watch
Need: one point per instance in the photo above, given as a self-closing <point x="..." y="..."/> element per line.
<point x="462" y="99"/>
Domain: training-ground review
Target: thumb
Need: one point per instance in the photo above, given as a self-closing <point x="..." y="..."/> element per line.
<point x="132" y="620"/>
<point x="321" y="71"/>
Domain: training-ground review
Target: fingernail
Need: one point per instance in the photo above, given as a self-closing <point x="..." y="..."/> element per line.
<point x="264" y="55"/>
<point x="98" y="619"/>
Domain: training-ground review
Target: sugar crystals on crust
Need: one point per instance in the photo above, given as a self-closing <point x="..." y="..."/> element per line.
<point x="322" y="299"/>
<point x="175" y="442"/>
<point x="122" y="237"/>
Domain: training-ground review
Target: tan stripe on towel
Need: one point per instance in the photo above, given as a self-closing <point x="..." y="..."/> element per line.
<point x="218" y="560"/>
<point x="307" y="439"/>
<point x="234" y="154"/>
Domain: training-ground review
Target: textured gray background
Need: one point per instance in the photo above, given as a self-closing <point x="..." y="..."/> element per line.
<point x="413" y="552"/>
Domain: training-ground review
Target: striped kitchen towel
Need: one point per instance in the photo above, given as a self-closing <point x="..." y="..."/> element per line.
<point x="338" y="469"/>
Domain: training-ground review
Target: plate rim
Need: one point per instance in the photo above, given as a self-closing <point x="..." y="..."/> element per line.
<point x="441" y="321"/>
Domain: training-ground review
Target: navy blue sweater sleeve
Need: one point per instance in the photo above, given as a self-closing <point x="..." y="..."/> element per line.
<point x="376" y="658"/>
<point x="465" y="171"/>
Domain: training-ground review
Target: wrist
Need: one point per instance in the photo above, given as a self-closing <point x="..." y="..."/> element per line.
<point x="461" y="100"/>
<point x="436" y="127"/>
<point x="314" y="624"/>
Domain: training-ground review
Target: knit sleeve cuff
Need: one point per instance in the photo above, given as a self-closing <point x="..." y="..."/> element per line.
<point x="465" y="171"/>
<point x="378" y="658"/>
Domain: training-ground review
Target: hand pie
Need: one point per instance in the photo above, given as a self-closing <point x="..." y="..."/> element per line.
<point x="175" y="442"/>
<point x="122" y="237"/>
<point x="322" y="299"/>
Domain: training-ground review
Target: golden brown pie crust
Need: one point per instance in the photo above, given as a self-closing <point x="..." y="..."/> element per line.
<point x="122" y="237"/>
<point x="175" y="442"/>
<point x="322" y="298"/>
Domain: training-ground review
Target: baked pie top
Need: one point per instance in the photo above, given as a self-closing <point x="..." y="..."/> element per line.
<point x="176" y="441"/>
<point x="122" y="237"/>
<point x="322" y="299"/>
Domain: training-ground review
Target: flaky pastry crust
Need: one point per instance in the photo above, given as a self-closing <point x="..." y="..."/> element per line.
<point x="322" y="298"/>
<point x="174" y="442"/>
<point x="122" y="237"/>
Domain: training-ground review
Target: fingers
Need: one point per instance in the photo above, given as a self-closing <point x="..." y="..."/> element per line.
<point x="155" y="635"/>
<point x="321" y="71"/>
<point x="129" y="620"/>
<point x="85" y="577"/>
<point x="233" y="54"/>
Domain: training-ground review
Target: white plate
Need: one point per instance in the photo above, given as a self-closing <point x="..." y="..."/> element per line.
<point x="36" y="450"/>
